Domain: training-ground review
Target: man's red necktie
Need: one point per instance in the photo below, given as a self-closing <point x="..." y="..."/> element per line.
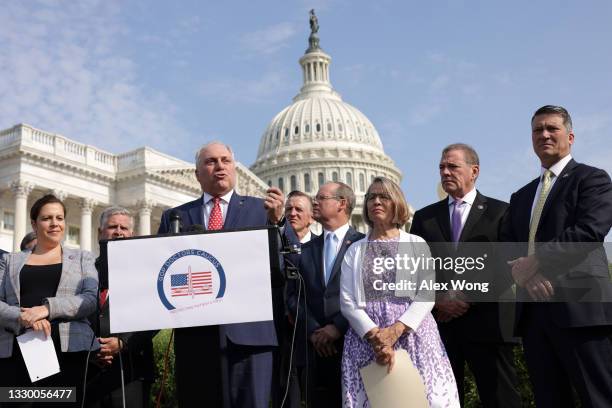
<point x="215" y="222"/>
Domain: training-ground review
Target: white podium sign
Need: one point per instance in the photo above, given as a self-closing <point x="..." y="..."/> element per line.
<point x="189" y="280"/>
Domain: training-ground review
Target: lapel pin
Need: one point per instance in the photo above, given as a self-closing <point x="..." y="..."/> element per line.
<point x="480" y="206"/>
<point x="565" y="175"/>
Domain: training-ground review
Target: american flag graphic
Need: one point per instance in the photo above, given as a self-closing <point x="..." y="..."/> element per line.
<point x="191" y="283"/>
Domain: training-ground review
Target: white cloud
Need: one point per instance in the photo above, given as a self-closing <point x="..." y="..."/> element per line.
<point x="424" y="113"/>
<point x="440" y="83"/>
<point x="268" y="40"/>
<point x="60" y="70"/>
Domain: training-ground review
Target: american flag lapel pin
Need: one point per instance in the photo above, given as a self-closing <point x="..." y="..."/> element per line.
<point x="480" y="206"/>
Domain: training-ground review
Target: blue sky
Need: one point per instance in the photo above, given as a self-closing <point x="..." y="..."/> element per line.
<point x="171" y="75"/>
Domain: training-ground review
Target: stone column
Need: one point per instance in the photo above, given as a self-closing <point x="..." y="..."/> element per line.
<point x="144" y="216"/>
<point x="87" y="205"/>
<point x="20" y="190"/>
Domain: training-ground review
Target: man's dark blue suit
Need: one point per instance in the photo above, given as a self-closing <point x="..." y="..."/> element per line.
<point x="244" y="371"/>
<point x="563" y="339"/>
<point x="319" y="306"/>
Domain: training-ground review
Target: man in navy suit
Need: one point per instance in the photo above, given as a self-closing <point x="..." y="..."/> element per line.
<point x="105" y="376"/>
<point x="471" y="326"/>
<point x="319" y="306"/>
<point x="566" y="334"/>
<point x="227" y="365"/>
<point x="298" y="213"/>
<point x="299" y="217"/>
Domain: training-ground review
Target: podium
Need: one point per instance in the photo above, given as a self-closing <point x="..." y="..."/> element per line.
<point x="190" y="279"/>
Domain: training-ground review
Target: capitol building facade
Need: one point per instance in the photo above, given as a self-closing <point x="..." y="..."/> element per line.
<point x="317" y="138"/>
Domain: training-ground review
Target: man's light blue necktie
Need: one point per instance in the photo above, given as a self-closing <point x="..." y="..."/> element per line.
<point x="330" y="254"/>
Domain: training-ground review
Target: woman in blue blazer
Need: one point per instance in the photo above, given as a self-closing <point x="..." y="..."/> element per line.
<point x="51" y="289"/>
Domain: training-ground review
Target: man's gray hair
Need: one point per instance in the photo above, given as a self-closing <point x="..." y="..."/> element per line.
<point x="470" y="155"/>
<point x="555" y="110"/>
<point x="114" y="210"/>
<point x="204" y="146"/>
<point x="297" y="193"/>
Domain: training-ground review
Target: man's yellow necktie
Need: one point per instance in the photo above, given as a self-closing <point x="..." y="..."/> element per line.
<point x="537" y="211"/>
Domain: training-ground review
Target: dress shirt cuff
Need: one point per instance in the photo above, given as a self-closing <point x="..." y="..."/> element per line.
<point x="415" y="314"/>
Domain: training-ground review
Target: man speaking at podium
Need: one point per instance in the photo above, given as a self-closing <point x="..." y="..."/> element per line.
<point x="226" y="365"/>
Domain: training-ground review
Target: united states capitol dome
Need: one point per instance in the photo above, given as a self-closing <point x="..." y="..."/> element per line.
<point x="321" y="138"/>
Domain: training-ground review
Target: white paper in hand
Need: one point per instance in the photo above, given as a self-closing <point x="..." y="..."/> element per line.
<point x="402" y="387"/>
<point x="39" y="354"/>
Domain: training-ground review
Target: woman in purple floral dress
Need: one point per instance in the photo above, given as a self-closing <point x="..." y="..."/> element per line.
<point x="383" y="321"/>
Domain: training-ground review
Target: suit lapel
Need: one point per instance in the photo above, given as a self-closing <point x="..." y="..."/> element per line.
<point x="559" y="183"/>
<point x="18" y="260"/>
<point x="317" y="259"/>
<point x="70" y="260"/>
<point x="479" y="206"/>
<point x="234" y="208"/>
<point x="443" y="217"/>
<point x="195" y="213"/>
<point x="525" y="208"/>
<point x="348" y="239"/>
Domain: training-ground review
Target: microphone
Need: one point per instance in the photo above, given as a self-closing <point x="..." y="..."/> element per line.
<point x="175" y="222"/>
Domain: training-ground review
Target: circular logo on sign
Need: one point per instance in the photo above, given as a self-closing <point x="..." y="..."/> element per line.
<point x="190" y="277"/>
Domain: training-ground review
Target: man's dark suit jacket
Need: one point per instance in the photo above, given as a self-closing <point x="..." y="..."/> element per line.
<point x="242" y="212"/>
<point x="320" y="304"/>
<point x="250" y="339"/>
<point x="578" y="209"/>
<point x="432" y="223"/>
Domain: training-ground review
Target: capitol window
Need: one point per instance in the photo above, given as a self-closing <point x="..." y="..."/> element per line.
<point x="8" y="221"/>
<point x="361" y="182"/>
<point x="340" y="127"/>
<point x="293" y="183"/>
<point x="335" y="176"/>
<point x="297" y="129"/>
<point x="349" y="179"/>
<point x="281" y="184"/>
<point x="73" y="236"/>
<point x="329" y="127"/>
<point x="307" y="182"/>
<point x="307" y="128"/>
<point x="321" y="180"/>
<point x="318" y="127"/>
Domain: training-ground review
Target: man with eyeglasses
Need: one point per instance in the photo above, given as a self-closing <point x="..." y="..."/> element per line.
<point x="319" y="307"/>
<point x="474" y="330"/>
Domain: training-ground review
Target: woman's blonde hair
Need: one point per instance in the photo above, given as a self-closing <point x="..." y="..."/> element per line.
<point x="401" y="214"/>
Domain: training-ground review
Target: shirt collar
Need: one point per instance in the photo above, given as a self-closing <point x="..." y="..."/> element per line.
<point x="225" y="198"/>
<point x="468" y="198"/>
<point x="306" y="238"/>
<point x="338" y="232"/>
<point x="558" y="167"/>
